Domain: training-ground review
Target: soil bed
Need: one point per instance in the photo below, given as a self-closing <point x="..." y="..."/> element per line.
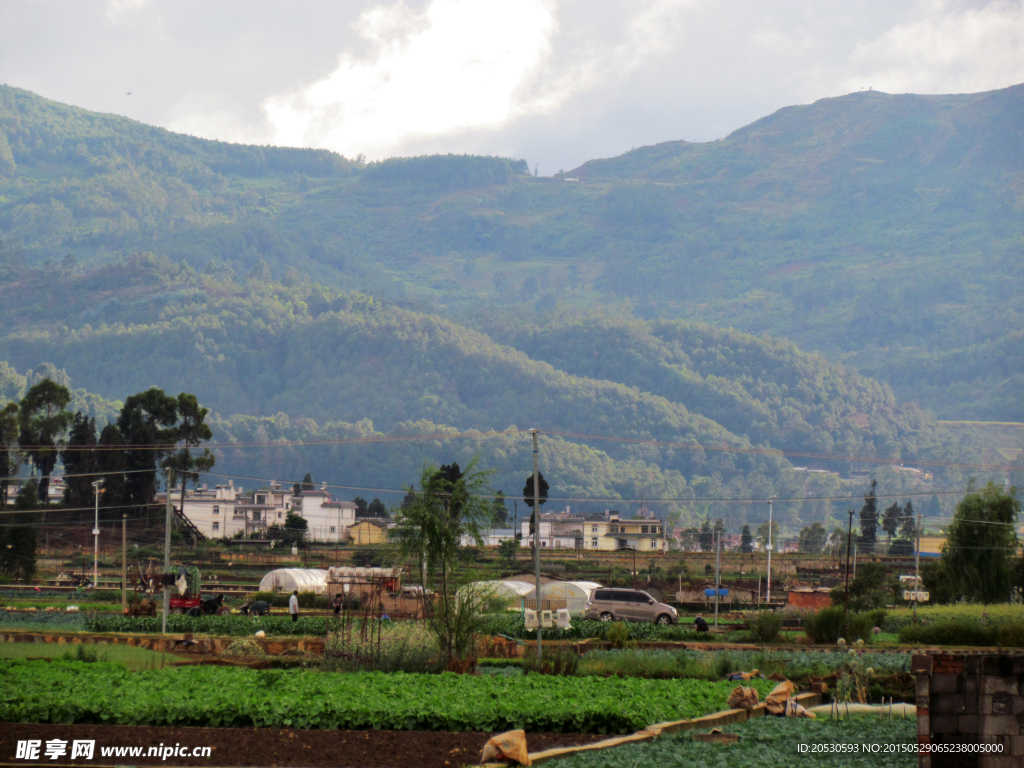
<point x="278" y="747"/>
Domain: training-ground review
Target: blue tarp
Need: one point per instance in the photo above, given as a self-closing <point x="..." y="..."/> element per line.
<point x="711" y="592"/>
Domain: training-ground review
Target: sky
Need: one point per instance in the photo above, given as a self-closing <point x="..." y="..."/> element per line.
<point x="555" y="82"/>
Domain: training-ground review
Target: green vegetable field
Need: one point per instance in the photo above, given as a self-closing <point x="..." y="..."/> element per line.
<point x="75" y="692"/>
<point x="772" y="742"/>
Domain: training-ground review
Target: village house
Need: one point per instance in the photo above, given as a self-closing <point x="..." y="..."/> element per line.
<point x="608" y="532"/>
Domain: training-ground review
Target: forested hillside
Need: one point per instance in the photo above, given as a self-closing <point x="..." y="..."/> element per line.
<point x="307" y="363"/>
<point x="884" y="231"/>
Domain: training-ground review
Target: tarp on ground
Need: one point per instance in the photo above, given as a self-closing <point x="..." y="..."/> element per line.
<point x="291" y="579"/>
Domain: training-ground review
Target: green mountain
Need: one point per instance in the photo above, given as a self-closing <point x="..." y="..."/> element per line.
<point x="303" y="377"/>
<point x="883" y="231"/>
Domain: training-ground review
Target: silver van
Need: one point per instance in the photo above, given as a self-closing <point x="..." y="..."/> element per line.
<point x="629" y="605"/>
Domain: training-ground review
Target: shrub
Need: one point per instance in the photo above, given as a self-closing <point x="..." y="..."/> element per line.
<point x="830" y="624"/>
<point x="554" y="661"/>
<point x="1010" y="635"/>
<point x="766" y="627"/>
<point x="617" y="634"/>
<point x="949" y="633"/>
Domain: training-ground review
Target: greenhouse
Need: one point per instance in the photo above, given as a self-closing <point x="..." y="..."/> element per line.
<point x="295" y="579"/>
<point x="573" y="595"/>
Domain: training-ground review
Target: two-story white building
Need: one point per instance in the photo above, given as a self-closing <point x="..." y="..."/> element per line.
<point x="328" y="520"/>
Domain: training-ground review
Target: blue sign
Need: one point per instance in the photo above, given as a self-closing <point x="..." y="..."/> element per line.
<point x="711" y="592"/>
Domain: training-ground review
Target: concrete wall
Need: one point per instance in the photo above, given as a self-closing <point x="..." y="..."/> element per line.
<point x="975" y="700"/>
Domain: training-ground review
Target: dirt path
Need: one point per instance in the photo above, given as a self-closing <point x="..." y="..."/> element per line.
<point x="270" y="746"/>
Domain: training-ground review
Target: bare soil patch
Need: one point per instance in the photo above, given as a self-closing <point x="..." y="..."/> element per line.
<point x="275" y="747"/>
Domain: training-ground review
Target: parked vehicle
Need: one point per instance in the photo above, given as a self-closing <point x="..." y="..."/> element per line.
<point x="629" y="605"/>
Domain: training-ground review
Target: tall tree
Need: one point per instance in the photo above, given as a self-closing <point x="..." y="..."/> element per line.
<point x="147" y="425"/>
<point x="42" y="421"/>
<point x="908" y="525"/>
<point x="79" y="457"/>
<point x="542" y="497"/>
<point x="111" y="463"/>
<point x="812" y="538"/>
<point x="981" y="545"/>
<point x="18" y="536"/>
<point x="190" y="432"/>
<point x="376" y="508"/>
<point x="746" y="540"/>
<point x="869" y="520"/>
<point x="707" y="537"/>
<point x="430" y="532"/>
<point x="361" y="506"/>
<point x="305" y="485"/>
<point x="762" y="533"/>
<point x="499" y="508"/>
<point x="9" y="461"/>
<point x="891" y="519"/>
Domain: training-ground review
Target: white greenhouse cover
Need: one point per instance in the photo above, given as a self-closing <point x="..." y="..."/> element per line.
<point x="575" y="593"/>
<point x="291" y="579"/>
<point x="505" y="590"/>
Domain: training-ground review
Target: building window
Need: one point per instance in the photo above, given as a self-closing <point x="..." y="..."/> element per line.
<point x="593" y="529"/>
<point x="216" y="525"/>
<point x="216" y="510"/>
<point x="593" y="543"/>
<point x="332" y="529"/>
<point x="644" y="529"/>
<point x="261" y="499"/>
<point x="654" y="543"/>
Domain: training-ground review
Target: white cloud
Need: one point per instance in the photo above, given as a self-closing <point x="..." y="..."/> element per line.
<point x="950" y="48"/>
<point x="119" y="10"/>
<point x="459" y="65"/>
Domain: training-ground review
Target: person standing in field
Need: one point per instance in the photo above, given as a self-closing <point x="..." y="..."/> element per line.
<point x="293" y="605"/>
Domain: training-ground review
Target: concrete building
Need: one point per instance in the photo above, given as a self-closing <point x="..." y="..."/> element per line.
<point x="608" y="532"/>
<point x="328" y="520"/>
<point x="368" y="530"/>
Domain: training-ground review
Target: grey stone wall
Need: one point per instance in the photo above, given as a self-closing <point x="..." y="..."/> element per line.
<point x="972" y="700"/>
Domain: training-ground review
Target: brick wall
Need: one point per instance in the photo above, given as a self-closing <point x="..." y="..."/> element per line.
<point x="971" y="700"/>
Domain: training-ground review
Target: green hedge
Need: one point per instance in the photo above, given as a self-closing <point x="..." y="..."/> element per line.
<point x="1007" y="635"/>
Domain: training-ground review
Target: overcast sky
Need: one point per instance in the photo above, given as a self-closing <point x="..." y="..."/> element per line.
<point x="556" y="82"/>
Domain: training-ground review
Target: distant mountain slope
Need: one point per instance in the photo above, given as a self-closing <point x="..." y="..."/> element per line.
<point x="870" y="133"/>
<point x="886" y="232"/>
<point x="304" y="362"/>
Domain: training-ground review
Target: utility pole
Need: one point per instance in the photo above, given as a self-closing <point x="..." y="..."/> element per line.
<point x="768" y="597"/>
<point x="718" y="565"/>
<point x="96" y="536"/>
<point x="167" y="552"/>
<point x="536" y="533"/>
<point x="846" y="581"/>
<point x="124" y="563"/>
<point x="917" y="565"/>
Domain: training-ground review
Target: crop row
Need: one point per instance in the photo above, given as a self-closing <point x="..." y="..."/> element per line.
<point x="773" y="742"/>
<point x="308" y="626"/>
<point x="76" y="692"/>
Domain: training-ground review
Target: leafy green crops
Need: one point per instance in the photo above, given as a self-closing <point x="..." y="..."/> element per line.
<point x="75" y="692"/>
<point x="306" y="626"/>
<point x="772" y="742"/>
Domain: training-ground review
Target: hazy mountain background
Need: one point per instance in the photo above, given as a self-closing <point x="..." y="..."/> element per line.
<point x="302" y="295"/>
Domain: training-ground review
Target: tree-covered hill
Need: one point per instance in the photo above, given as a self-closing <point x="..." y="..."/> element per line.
<point x="308" y="363"/>
<point x="886" y="232"/>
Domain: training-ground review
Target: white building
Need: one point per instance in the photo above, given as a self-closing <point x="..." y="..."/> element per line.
<point x="328" y="520"/>
<point x="492" y="537"/>
<point x="225" y="510"/>
<point x="557" y="531"/>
